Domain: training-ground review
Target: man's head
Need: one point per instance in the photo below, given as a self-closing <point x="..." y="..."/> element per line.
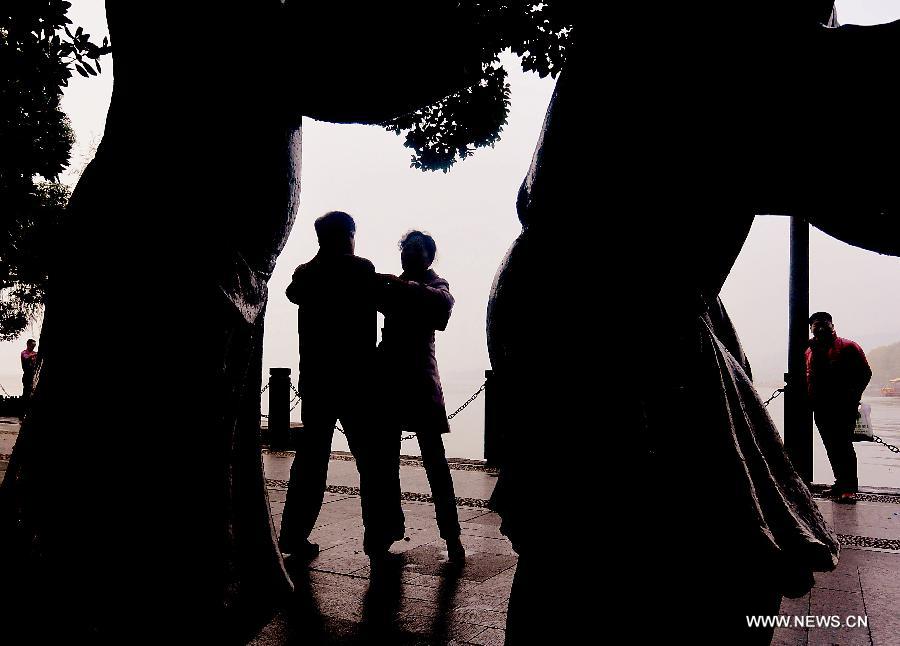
<point x="417" y="251"/>
<point x="336" y="232"/>
<point x="821" y="326"/>
<point x="30" y="344"/>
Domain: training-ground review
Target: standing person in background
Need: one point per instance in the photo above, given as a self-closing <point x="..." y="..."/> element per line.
<point x="415" y="305"/>
<point x="29" y="363"/>
<point x="837" y="373"/>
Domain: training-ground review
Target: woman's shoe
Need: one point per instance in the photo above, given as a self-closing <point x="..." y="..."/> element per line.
<point x="456" y="553"/>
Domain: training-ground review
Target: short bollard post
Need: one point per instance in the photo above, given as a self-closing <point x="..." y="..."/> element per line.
<point x="493" y="440"/>
<point x="279" y="408"/>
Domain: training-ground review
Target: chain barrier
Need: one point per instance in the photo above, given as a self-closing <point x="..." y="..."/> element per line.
<point x="297" y="399"/>
<point x="877" y="440"/>
<point x="468" y="401"/>
<point x="775" y="395"/>
<point x="889" y="447"/>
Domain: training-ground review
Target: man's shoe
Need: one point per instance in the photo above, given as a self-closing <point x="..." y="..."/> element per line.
<point x="302" y="553"/>
<point x="832" y="491"/>
<point x="456" y="553"/>
<point x="847" y="498"/>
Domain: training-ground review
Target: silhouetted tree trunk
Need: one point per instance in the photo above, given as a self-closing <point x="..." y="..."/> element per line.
<point x="634" y="438"/>
<point x="135" y="500"/>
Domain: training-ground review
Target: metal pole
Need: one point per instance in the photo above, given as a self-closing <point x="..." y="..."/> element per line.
<point x="492" y="441"/>
<point x="798" y="427"/>
<point x="279" y="408"/>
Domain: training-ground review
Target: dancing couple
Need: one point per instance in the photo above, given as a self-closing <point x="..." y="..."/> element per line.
<point x="376" y="392"/>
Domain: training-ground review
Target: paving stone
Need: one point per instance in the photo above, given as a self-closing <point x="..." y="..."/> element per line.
<point x="495" y="602"/>
<point x="419" y="616"/>
<point x="486" y="530"/>
<point x="479" y="566"/>
<point x="477" y="613"/>
<point x="449" y="591"/>
<point x="795" y="607"/>
<point x="346" y="558"/>
<point x="425" y="580"/>
<point x="435" y="625"/>
<point x="339" y="510"/>
<point x="337" y="533"/>
<point x="461" y="632"/>
<point x="497" y="587"/>
<point x="471" y="609"/>
<point x="480" y="544"/>
<point x="884" y="619"/>
<point x="847" y="563"/>
<point x="880" y="573"/>
<point x="343" y="604"/>
<point x="339" y="581"/>
<point x="334" y="497"/>
<point x="489" y="637"/>
<point x="790" y="637"/>
<point x="827" y="603"/>
<point x="470" y="514"/>
<point x="874" y="519"/>
<point x="846" y="581"/>
<point x="486" y="518"/>
<point x="416" y="538"/>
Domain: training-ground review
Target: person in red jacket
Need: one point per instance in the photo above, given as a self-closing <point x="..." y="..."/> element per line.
<point x="836" y="375"/>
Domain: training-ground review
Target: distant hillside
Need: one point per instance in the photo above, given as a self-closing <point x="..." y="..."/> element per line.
<point x="885" y="362"/>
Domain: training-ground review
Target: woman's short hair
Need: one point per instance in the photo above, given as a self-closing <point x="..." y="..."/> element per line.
<point x="423" y="238"/>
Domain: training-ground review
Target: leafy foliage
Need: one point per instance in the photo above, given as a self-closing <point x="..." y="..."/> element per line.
<point x="38" y="54"/>
<point x="540" y="33"/>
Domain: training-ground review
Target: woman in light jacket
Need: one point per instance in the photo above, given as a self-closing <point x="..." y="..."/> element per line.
<point x="414" y="305"/>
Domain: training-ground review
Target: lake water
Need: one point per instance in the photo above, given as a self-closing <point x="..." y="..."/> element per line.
<point x="878" y="467"/>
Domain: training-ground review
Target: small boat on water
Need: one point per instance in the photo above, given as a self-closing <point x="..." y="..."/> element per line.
<point x="891" y="388"/>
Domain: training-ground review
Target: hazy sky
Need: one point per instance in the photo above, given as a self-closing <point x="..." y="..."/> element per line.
<point x="471" y="213"/>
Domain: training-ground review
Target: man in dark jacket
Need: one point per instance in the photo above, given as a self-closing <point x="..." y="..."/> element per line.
<point x="836" y="375"/>
<point x="337" y="323"/>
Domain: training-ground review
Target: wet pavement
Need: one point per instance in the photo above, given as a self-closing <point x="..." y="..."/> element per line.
<point x="425" y="600"/>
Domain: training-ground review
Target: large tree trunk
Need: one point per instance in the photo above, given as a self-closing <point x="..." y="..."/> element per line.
<point x="137" y="481"/>
<point x="135" y="501"/>
<point x="633" y="432"/>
